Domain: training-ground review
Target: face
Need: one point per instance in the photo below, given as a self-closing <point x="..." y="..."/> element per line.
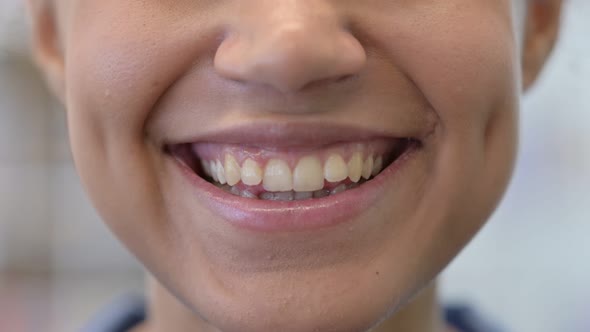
<point x="292" y="157"/>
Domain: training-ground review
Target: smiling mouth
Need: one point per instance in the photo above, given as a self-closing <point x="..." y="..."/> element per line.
<point x="292" y="173"/>
<point x="286" y="177"/>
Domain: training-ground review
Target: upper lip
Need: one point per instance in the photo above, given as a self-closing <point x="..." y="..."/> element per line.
<point x="298" y="134"/>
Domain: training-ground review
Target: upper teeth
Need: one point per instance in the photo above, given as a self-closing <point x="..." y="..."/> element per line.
<point x="308" y="175"/>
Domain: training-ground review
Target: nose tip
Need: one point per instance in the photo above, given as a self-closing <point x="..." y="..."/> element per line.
<point x="291" y="56"/>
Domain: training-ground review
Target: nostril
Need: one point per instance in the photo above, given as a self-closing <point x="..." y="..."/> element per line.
<point x="344" y="78"/>
<point x="294" y="55"/>
<point x="328" y="81"/>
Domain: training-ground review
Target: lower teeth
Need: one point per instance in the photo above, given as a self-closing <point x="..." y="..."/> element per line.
<point x="288" y="195"/>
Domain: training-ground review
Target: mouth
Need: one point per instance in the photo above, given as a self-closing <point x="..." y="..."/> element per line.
<point x="278" y="181"/>
<point x="295" y="174"/>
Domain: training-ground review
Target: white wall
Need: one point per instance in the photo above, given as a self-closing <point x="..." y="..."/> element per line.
<point x="24" y="181"/>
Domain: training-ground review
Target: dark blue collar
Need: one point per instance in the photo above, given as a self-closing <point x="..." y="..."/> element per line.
<point x="130" y="310"/>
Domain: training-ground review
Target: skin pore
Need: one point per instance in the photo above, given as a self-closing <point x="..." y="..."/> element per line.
<point x="137" y="76"/>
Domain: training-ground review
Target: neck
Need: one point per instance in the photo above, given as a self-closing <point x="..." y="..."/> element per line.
<point x="166" y="313"/>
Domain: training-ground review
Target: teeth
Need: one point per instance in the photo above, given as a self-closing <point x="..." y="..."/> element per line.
<point x="308" y="175"/>
<point x="277" y="176"/>
<point x="338" y="189"/>
<point x="235" y="191"/>
<point x="267" y="196"/>
<point x="213" y="170"/>
<point x="288" y="195"/>
<point x="251" y="173"/>
<point x="277" y="196"/>
<point x="205" y="167"/>
<point x="285" y="196"/>
<point x="248" y="194"/>
<point x="301" y="195"/>
<point x="355" y="167"/>
<point x="232" y="170"/>
<point x="377" y="166"/>
<point x="352" y="186"/>
<point x="224" y="187"/>
<point x="367" y="168"/>
<point x="321" y="193"/>
<point x="335" y="169"/>
<point x="220" y="172"/>
<point x="304" y="182"/>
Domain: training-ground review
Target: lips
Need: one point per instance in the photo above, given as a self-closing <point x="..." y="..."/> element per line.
<point x="299" y="179"/>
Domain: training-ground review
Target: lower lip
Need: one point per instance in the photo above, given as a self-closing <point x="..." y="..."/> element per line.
<point x="290" y="216"/>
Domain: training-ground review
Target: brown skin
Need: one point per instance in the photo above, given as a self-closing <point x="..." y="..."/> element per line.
<point x="133" y="74"/>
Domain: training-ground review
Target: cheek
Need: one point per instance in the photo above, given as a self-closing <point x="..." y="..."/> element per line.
<point x="469" y="79"/>
<point x="114" y="77"/>
<point x="461" y="56"/>
<point x="464" y="62"/>
<point x="119" y="66"/>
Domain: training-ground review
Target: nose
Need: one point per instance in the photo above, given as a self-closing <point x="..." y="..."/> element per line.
<point x="288" y="45"/>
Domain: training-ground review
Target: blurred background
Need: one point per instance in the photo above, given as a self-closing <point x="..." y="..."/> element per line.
<point x="529" y="268"/>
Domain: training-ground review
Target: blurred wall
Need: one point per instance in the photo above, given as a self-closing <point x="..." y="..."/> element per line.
<point x="24" y="182"/>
